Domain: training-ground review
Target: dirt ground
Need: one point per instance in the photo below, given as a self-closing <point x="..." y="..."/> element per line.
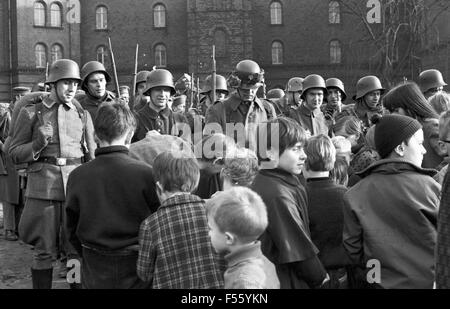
<point x="15" y="263"/>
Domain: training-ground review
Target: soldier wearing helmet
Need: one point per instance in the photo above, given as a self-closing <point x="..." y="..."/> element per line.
<point x="431" y="82"/>
<point x="336" y="95"/>
<point x="140" y="99"/>
<point x="309" y="115"/>
<point x="94" y="79"/>
<point x="157" y="115"/>
<point x="53" y="135"/>
<point x="206" y="91"/>
<point x="368" y="101"/>
<point x="291" y="99"/>
<point x="242" y="106"/>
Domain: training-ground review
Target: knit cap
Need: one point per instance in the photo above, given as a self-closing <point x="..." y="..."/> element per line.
<point x="392" y="130"/>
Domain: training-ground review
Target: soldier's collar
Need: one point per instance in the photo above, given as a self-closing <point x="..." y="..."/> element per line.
<point x="49" y="102"/>
<point x="154" y="114"/>
<point x="306" y="111"/>
<point x="236" y="101"/>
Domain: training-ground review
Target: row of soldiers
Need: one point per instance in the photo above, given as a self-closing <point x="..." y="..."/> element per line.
<point x="51" y="133"/>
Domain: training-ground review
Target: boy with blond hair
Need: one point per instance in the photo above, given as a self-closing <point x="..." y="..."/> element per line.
<point x="236" y="218"/>
<point x="174" y="247"/>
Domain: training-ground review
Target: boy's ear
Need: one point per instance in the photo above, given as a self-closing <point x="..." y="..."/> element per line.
<point x="400" y="149"/>
<point x="230" y="238"/>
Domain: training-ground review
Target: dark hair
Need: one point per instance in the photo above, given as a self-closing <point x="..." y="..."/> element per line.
<point x="288" y="131"/>
<point x="409" y="97"/>
<point x="176" y="171"/>
<point x="112" y="121"/>
<point x="339" y="173"/>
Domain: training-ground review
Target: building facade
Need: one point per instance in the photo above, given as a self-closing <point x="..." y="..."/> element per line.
<point x="286" y="37"/>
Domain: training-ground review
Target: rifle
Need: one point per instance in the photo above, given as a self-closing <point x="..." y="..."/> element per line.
<point x="213" y="77"/>
<point x="46" y="78"/>
<point x="198" y="90"/>
<point x="116" y="81"/>
<point x="191" y="99"/>
<point x="133" y="91"/>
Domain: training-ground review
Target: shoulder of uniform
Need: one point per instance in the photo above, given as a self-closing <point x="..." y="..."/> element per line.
<point x="80" y="96"/>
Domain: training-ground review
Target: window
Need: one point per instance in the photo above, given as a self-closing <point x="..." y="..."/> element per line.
<point x="40" y="51"/>
<point x="101" y="54"/>
<point x="160" y="55"/>
<point x="277" y="53"/>
<point x="335" y="52"/>
<point x="101" y="15"/>
<point x="159" y="16"/>
<point x="56" y="52"/>
<point x="220" y="41"/>
<point x="39" y="14"/>
<point x="275" y="13"/>
<point x="55" y="15"/>
<point x="334" y="13"/>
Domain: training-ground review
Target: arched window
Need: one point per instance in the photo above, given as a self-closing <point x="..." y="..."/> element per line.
<point x="101" y="54"/>
<point x="220" y="41"/>
<point x="277" y="52"/>
<point x="275" y="13"/>
<point x="101" y="17"/>
<point x="40" y="52"/>
<point x="160" y="55"/>
<point x="334" y="13"/>
<point x="159" y="16"/>
<point x="55" y="15"/>
<point x="56" y="52"/>
<point x="335" y="52"/>
<point x="39" y="13"/>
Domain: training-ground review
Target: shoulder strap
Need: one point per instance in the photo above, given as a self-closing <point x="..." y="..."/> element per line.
<point x="83" y="116"/>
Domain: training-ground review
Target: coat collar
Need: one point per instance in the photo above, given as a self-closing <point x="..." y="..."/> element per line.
<point x="49" y="102"/>
<point x="305" y="111"/>
<point x="246" y="252"/>
<point x="287" y="177"/>
<point x="394" y="166"/>
<point x="235" y="100"/>
<point x="165" y="113"/>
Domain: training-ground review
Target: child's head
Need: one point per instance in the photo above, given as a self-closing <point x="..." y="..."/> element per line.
<point x="440" y="102"/>
<point x="339" y="173"/>
<point x="176" y="172"/>
<point x="236" y="217"/>
<point x="343" y="147"/>
<point x="348" y="127"/>
<point x="240" y="169"/>
<point x="320" y="154"/>
<point x="282" y="140"/>
<point x="444" y="131"/>
<point x="114" y="121"/>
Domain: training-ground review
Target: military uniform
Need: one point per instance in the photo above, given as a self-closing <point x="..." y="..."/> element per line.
<point x="313" y="121"/>
<point x="91" y="104"/>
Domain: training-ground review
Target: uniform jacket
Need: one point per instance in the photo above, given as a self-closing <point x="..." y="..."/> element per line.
<point x="47" y="181"/>
<point x="229" y="111"/>
<point x="391" y="215"/>
<point x="164" y="122"/>
<point x="284" y="106"/>
<point x="123" y="193"/>
<point x="313" y="121"/>
<point x="91" y="104"/>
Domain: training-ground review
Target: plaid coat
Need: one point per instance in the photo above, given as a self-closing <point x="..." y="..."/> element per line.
<point x="175" y="251"/>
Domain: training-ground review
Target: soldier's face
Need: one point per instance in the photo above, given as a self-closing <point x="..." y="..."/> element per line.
<point x="220" y="95"/>
<point x="140" y="87"/>
<point x="66" y="89"/>
<point x="373" y="98"/>
<point x="160" y="96"/>
<point x="334" y="97"/>
<point x="314" y="98"/>
<point x="97" y="85"/>
<point x="248" y="94"/>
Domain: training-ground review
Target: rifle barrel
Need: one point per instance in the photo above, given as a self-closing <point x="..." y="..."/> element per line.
<point x="116" y="80"/>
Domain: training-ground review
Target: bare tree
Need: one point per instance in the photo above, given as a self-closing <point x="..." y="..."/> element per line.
<point x="400" y="36"/>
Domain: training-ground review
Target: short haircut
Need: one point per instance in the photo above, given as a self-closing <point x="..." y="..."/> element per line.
<point x="444" y="126"/>
<point x="113" y="120"/>
<point x="339" y="173"/>
<point x="440" y="102"/>
<point x="288" y="131"/>
<point x="346" y="126"/>
<point x="240" y="211"/>
<point x="215" y="146"/>
<point x="176" y="172"/>
<point x="242" y="168"/>
<point x="320" y="154"/>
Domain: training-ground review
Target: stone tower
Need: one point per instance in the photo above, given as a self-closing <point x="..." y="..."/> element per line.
<point x="224" y="23"/>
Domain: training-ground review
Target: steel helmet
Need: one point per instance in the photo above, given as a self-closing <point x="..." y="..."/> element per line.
<point x="367" y="84"/>
<point x="63" y="69"/>
<point x="313" y="81"/>
<point x="141" y="76"/>
<point x="247" y="74"/>
<point x="275" y="93"/>
<point x="295" y="84"/>
<point x="92" y="67"/>
<point x="430" y="79"/>
<point x="336" y="83"/>
<point x="221" y="84"/>
<point x="160" y="78"/>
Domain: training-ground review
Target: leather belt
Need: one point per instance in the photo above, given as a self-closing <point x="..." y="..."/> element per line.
<point x="60" y="161"/>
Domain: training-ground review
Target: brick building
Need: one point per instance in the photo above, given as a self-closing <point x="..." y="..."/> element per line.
<point x="286" y="37"/>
